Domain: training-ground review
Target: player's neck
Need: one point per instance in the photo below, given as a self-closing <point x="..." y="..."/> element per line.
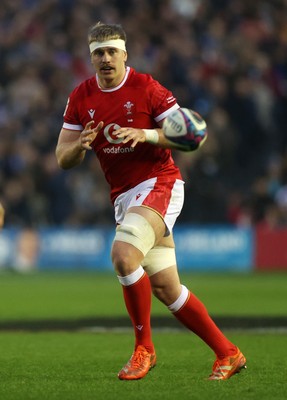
<point x="111" y="82"/>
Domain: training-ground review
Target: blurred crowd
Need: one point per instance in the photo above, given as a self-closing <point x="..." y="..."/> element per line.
<point x="226" y="59"/>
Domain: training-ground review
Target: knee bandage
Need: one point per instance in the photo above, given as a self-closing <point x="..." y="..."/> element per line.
<point x="137" y="231"/>
<point x="158" y="258"/>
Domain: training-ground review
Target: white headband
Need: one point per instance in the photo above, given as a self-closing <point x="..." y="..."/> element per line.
<point x="117" y="43"/>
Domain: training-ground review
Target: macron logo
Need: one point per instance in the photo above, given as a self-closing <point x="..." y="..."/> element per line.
<point x="91" y="113"/>
<point x="139" y="327"/>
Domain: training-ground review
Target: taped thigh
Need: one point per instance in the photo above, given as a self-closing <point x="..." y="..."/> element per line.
<point x="159" y="258"/>
<point x="136" y="230"/>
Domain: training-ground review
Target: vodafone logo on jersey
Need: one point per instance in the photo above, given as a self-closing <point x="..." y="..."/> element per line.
<point x="111" y="138"/>
<point x="109" y="133"/>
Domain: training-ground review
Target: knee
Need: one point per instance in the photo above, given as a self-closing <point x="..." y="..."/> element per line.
<point x="125" y="258"/>
<point x="121" y="262"/>
<point x="133" y="239"/>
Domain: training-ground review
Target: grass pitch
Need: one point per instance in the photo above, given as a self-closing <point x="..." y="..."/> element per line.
<point x="44" y="295"/>
<point x="83" y="365"/>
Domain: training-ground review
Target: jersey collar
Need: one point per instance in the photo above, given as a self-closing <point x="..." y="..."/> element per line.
<point x="116" y="87"/>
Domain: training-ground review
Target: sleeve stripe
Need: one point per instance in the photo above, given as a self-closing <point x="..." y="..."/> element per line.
<point x="72" y="127"/>
<point x="165" y="114"/>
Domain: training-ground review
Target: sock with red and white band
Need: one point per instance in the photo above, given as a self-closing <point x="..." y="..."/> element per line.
<point x="191" y="312"/>
<point x="137" y="296"/>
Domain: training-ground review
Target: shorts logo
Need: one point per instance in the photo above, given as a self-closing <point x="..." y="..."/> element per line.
<point x="138" y="196"/>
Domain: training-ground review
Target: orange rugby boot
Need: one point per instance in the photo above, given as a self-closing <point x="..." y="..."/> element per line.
<point x="224" y="368"/>
<point x="138" y="365"/>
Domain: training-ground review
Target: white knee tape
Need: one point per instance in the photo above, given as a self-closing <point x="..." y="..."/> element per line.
<point x="137" y="231"/>
<point x="158" y="258"/>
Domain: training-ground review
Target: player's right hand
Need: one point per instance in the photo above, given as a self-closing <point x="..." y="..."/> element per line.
<point x="89" y="134"/>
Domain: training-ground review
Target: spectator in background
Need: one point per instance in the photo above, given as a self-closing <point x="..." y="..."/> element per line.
<point x="27" y="250"/>
<point x="230" y="66"/>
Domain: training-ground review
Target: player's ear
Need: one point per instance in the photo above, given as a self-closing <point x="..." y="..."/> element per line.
<point x="125" y="56"/>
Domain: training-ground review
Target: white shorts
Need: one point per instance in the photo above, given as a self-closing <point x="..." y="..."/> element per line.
<point x="164" y="195"/>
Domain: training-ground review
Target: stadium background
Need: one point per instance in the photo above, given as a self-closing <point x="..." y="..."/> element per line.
<point x="64" y="335"/>
<point x="225" y="59"/>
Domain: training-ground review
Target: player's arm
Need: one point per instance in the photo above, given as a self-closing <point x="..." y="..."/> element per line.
<point x="157" y="137"/>
<point x="153" y="136"/>
<point x="72" y="145"/>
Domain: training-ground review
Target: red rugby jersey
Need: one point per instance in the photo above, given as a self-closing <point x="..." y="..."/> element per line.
<point x="139" y="102"/>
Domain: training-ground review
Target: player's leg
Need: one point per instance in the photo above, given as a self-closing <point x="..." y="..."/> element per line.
<point x="139" y="231"/>
<point x="192" y="313"/>
<point x="140" y="214"/>
<point x="136" y="292"/>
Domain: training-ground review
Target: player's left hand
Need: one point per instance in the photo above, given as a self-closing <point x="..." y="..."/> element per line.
<point x="131" y="134"/>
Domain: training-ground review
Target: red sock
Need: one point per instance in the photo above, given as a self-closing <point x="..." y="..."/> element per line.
<point x="138" y="303"/>
<point x="194" y="316"/>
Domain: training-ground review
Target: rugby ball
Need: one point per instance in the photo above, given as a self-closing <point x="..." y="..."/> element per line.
<point x="185" y="128"/>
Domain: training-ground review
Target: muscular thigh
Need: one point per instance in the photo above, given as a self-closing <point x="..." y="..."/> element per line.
<point x="139" y="232"/>
<point x="154" y="219"/>
<point x="166" y="241"/>
<point x="143" y="224"/>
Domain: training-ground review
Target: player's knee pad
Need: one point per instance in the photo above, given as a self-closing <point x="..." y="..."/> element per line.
<point x="159" y="258"/>
<point x="137" y="231"/>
